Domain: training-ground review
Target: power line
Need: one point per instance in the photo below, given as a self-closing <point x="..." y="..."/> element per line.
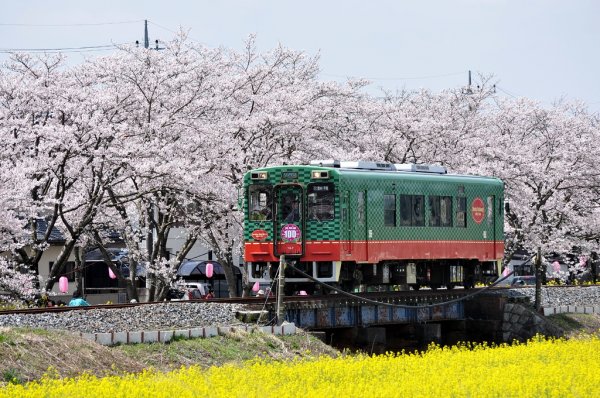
<point x="67" y="25"/>
<point x="177" y="33"/>
<point x="63" y="49"/>
<point x="401" y="78"/>
<point x="506" y="92"/>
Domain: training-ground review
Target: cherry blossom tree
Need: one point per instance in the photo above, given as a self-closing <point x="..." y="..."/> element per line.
<point x="543" y="157"/>
<point x="148" y="142"/>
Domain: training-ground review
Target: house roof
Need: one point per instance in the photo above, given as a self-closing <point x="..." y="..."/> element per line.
<point x="116" y="254"/>
<point x="55" y="235"/>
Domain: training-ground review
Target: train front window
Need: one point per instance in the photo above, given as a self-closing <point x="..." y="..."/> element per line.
<point x="321" y="200"/>
<point x="260" y="202"/>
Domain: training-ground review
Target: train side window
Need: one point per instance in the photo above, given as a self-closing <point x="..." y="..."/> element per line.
<point x="321" y="200"/>
<point x="411" y="211"/>
<point x="389" y="210"/>
<point x="461" y="212"/>
<point x="490" y="209"/>
<point x="440" y="211"/>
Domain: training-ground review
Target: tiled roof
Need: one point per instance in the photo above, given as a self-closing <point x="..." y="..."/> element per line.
<point x="55" y="235"/>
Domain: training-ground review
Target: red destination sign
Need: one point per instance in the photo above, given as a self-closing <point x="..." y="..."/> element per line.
<point x="478" y="210"/>
<point x="259" y="234"/>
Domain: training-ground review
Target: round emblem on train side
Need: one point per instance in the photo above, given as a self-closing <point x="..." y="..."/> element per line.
<point x="290" y="232"/>
<point x="259" y="234"/>
<point x="478" y="210"/>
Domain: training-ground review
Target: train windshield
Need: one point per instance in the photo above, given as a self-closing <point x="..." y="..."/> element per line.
<point x="321" y="198"/>
<point x="260" y="202"/>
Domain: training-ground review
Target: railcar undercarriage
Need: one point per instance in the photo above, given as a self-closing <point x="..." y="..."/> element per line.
<point x="383" y="276"/>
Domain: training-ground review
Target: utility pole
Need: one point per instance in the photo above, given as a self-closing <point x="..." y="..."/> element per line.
<point x="147" y="38"/>
<point x="147" y="41"/>
<point x="467" y="90"/>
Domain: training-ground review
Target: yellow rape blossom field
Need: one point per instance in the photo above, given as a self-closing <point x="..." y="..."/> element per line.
<point x="540" y="368"/>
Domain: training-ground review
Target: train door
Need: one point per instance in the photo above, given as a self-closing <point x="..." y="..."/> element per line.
<point x="289" y="220"/>
<point x="360" y="238"/>
<point x="491" y="219"/>
<point x="373" y="224"/>
<point x="346" y="224"/>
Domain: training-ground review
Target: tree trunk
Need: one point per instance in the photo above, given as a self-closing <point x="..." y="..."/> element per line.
<point x="538" y="280"/>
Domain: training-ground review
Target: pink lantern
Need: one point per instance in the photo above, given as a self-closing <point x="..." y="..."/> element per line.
<point x="209" y="270"/>
<point x="256" y="287"/>
<point x="63" y="284"/>
<point x="111" y="274"/>
<point x="556" y="266"/>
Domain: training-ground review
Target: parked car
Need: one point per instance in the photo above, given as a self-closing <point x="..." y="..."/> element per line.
<point x="189" y="291"/>
<point x="518" y="280"/>
<point x="523" y="280"/>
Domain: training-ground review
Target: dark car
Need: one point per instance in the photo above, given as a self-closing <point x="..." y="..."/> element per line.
<point x="523" y="280"/>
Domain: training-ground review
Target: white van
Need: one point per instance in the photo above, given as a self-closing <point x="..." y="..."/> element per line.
<point x="192" y="291"/>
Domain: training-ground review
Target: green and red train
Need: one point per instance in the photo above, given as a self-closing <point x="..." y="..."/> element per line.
<point x="368" y="226"/>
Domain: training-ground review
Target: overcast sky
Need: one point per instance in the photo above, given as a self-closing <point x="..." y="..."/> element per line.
<point x="540" y="49"/>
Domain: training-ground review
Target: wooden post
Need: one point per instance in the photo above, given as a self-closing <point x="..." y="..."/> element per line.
<point x="280" y="289"/>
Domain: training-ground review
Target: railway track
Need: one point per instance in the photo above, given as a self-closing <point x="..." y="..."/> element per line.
<point x="224" y="312"/>
<point x="409" y="297"/>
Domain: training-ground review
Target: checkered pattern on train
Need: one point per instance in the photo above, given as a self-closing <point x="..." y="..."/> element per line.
<point x="375" y="185"/>
<point x="315" y="230"/>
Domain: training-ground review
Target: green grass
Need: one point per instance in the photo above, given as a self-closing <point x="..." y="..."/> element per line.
<point x="235" y="347"/>
<point x="565" y="322"/>
<point x="11" y="376"/>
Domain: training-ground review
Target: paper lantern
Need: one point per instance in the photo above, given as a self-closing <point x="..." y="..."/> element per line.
<point x="256" y="287"/>
<point x="111" y="274"/>
<point x="209" y="270"/>
<point x="63" y="284"/>
<point x="556" y="266"/>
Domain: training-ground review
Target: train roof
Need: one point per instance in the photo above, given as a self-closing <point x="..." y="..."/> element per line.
<point x="386" y="170"/>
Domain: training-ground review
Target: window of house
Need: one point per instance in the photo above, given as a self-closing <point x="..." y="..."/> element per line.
<point x="440" y="211"/>
<point x="411" y="210"/>
<point x="389" y="210"/>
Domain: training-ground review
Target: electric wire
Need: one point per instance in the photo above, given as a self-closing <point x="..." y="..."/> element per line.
<point x="401" y="78"/>
<point x="71" y="24"/>
<point x="104" y="47"/>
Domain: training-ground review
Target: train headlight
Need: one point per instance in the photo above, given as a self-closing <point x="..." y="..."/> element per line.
<point x="320" y="175"/>
<point x="260" y="175"/>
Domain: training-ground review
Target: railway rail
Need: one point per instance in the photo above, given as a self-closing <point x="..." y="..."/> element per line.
<point x="407" y="298"/>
